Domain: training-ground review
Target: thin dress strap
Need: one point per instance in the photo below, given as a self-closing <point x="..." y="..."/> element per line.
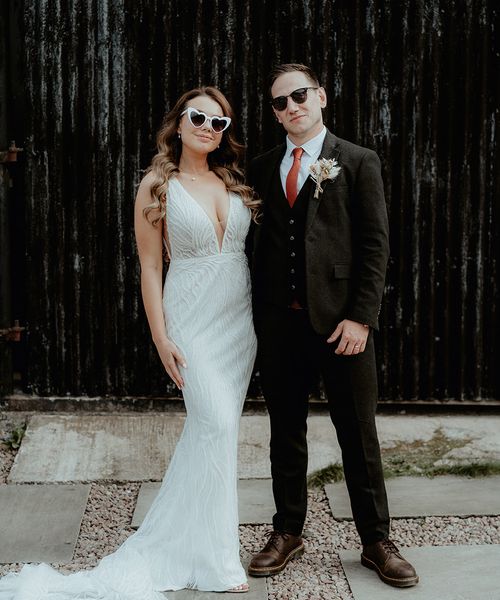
<point x="166" y="242"/>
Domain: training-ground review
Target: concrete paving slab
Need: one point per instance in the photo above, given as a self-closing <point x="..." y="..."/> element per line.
<point x="40" y="523"/>
<point x="253" y="455"/>
<point x="258" y="590"/>
<point x="138" y="447"/>
<point x="445" y="572"/>
<point x="422" y="497"/>
<point x="61" y="448"/>
<point x="147" y="494"/>
<point x="481" y="440"/>
<point x="255" y="500"/>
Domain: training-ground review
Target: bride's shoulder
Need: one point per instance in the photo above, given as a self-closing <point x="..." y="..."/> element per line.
<point x="145" y="187"/>
<point x="147" y="181"/>
<point x="144" y="195"/>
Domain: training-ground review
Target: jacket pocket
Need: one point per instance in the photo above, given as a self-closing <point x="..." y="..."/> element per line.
<point x="341" y="271"/>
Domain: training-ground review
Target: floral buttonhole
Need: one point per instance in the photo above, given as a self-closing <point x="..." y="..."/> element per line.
<point x="322" y="170"/>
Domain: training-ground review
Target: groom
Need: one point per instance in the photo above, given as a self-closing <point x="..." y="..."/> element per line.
<point x="319" y="259"/>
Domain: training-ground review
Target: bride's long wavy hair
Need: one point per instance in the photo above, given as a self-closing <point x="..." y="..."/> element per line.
<point x="224" y="161"/>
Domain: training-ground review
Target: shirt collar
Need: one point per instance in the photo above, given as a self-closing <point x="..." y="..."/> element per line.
<point x="311" y="147"/>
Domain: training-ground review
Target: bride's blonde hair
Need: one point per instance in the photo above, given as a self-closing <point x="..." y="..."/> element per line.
<point x="223" y="161"/>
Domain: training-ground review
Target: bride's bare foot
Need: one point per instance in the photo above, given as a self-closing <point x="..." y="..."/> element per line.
<point x="239" y="589"/>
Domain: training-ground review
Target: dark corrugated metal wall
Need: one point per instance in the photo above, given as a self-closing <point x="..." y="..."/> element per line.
<point x="415" y="80"/>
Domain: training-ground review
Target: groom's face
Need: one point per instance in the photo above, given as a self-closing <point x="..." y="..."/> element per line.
<point x="301" y="120"/>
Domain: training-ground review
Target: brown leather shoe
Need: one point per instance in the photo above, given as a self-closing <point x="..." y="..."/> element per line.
<point x="273" y="558"/>
<point x="392" y="568"/>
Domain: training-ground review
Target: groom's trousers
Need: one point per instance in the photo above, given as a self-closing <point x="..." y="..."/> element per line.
<point x="290" y="355"/>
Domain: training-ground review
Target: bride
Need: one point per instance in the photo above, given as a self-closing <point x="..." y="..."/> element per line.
<point x="192" y="203"/>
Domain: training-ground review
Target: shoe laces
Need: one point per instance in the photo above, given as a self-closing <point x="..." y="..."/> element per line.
<point x="274" y="537"/>
<point x="390" y="547"/>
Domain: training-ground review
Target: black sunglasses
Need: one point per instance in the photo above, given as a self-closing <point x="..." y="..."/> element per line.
<point x="299" y="96"/>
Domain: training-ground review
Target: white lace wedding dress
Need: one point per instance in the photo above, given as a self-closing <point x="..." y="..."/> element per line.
<point x="189" y="537"/>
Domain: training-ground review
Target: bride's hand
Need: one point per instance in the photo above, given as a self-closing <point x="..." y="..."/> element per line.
<point x="170" y="356"/>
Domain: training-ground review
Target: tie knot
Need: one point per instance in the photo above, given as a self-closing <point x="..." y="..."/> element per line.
<point x="297" y="153"/>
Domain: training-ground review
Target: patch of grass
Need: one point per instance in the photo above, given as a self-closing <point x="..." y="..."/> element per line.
<point x="389" y="472"/>
<point x="13" y="441"/>
<point x="415" y="458"/>
<point x="330" y="474"/>
<point x="470" y="470"/>
<point x="418" y="457"/>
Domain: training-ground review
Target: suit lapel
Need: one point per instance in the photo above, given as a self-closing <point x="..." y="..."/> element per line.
<point x="330" y="149"/>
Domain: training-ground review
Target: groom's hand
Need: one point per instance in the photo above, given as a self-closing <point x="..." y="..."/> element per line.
<point x="353" y="340"/>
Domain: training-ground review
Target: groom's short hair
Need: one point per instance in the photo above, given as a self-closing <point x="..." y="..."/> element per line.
<point x="290" y="68"/>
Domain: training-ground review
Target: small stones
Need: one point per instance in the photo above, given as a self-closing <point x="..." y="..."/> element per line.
<point x="317" y="575"/>
<point x="8" y="423"/>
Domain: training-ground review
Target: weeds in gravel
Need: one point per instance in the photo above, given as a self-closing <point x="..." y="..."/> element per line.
<point x="330" y="474"/>
<point x="415" y="458"/>
<point x="419" y="456"/>
<point x="470" y="470"/>
<point x="13" y="441"/>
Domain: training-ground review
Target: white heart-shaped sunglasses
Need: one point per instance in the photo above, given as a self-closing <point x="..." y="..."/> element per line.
<point x="197" y="118"/>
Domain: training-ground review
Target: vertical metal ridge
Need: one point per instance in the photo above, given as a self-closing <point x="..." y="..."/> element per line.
<point x="415" y="81"/>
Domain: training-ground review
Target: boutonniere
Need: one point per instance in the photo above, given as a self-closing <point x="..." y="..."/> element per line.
<point x="322" y="169"/>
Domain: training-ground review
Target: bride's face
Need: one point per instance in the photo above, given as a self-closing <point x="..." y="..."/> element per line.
<point x="201" y="140"/>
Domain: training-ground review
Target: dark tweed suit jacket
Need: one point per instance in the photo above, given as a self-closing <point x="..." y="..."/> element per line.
<point x="346" y="234"/>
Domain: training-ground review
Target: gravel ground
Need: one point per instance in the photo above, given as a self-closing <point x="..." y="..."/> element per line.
<point x="318" y="575"/>
<point x="9" y="422"/>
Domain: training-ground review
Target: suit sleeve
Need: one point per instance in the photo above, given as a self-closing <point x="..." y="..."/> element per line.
<point x="371" y="240"/>
<point x="249" y="242"/>
<point x="250" y="173"/>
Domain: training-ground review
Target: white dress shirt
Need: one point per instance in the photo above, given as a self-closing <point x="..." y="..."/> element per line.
<point x="312" y="149"/>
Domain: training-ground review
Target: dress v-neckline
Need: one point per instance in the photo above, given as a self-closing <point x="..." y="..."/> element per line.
<point x="220" y="245"/>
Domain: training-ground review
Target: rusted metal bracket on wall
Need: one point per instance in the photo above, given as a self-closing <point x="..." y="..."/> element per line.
<point x="12" y="334"/>
<point x="8" y="160"/>
<point x="7" y="157"/>
<point x="10" y="155"/>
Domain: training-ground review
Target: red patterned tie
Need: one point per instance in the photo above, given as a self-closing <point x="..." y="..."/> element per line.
<point x="291" y="178"/>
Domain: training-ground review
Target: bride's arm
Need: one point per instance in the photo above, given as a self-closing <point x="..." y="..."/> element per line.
<point x="149" y="246"/>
